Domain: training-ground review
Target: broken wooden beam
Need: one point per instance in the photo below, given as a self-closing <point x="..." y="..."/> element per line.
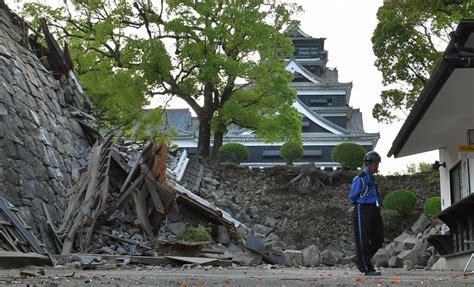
<point x="9" y="259"/>
<point x="19" y="226"/>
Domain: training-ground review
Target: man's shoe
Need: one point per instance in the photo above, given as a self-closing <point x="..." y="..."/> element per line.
<point x="373" y="273"/>
<point x="356" y="262"/>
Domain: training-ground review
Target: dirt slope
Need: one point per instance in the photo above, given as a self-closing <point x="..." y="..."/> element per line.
<point x="321" y="216"/>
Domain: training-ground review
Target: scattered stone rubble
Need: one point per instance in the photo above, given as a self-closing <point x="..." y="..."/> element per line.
<point x="411" y="249"/>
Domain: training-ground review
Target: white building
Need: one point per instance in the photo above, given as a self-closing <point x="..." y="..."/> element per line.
<point x="443" y="119"/>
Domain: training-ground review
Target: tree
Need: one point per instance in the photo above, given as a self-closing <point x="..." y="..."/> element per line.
<point x="408" y="42"/>
<point x="102" y="53"/>
<point x="291" y="151"/>
<point x="196" y="50"/>
<point x="350" y="155"/>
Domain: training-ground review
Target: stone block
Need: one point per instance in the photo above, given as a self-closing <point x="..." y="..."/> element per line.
<point x="329" y="257"/>
<point x="421" y="224"/>
<point x="3" y="110"/>
<point x="415" y="256"/>
<point x="12" y="176"/>
<point x="394" y="262"/>
<point x="292" y="258"/>
<point x="271" y="237"/>
<point x="381" y="257"/>
<point x="28" y="189"/>
<point x="247" y="258"/>
<point x="311" y="256"/>
<point x="261" y="230"/>
<point x="4" y="52"/>
<point x="222" y="235"/>
<point x="270" y="221"/>
<point x="9" y="147"/>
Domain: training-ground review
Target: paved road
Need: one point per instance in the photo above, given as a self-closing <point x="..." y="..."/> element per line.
<point x="158" y="276"/>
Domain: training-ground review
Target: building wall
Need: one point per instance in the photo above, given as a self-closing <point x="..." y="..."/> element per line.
<point x="449" y="155"/>
<point x="311" y="127"/>
<point x="323" y="100"/>
<point x="257" y="154"/>
<point x="338" y="120"/>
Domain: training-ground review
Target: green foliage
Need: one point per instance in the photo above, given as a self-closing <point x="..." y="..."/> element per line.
<point x="291" y="151"/>
<point x="432" y="206"/>
<point x="425" y="167"/>
<point x="122" y="61"/>
<point x="349" y="155"/>
<point x="401" y="200"/>
<point x="388" y="214"/>
<point x="195" y="234"/>
<point x="433" y="177"/>
<point x="411" y="168"/>
<point x="233" y="153"/>
<point x="408" y="42"/>
<point x="150" y="125"/>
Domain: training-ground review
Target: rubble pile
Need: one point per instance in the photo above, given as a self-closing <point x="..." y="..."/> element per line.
<point x="299" y="223"/>
<point x="101" y="200"/>
<point x="411" y="249"/>
<point x="260" y="229"/>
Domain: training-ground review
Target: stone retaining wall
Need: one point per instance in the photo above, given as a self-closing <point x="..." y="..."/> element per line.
<point x="40" y="143"/>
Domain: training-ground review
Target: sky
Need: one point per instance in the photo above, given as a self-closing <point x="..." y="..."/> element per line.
<point x="348" y="26"/>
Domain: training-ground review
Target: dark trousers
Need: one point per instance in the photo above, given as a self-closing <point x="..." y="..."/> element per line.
<point x="368" y="230"/>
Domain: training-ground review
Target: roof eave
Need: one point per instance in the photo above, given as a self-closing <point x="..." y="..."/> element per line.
<point x="450" y="61"/>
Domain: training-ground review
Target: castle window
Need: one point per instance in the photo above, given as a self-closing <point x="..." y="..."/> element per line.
<point x="313" y="154"/>
<point x="270" y="153"/>
<point x="307" y="52"/>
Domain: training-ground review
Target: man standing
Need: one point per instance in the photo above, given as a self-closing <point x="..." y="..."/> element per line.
<point x="368" y="226"/>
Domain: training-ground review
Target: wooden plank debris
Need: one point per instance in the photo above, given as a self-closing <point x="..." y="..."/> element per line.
<point x="193" y="260"/>
<point x="52" y="230"/>
<point x="91" y="203"/>
<point x="9" y="259"/>
<point x="101" y="194"/>
<point x="17" y="231"/>
<point x="18" y="246"/>
<point x="56" y="59"/>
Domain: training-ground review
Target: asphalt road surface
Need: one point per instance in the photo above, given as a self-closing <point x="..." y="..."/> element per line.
<point x="214" y="276"/>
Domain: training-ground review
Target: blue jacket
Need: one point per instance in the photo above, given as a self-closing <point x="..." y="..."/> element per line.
<point x="364" y="190"/>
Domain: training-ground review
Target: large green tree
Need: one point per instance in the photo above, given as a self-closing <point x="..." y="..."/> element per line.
<point x="220" y="57"/>
<point x="408" y="42"/>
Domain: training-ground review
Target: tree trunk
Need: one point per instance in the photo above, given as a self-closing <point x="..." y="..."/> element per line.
<point x="204" y="139"/>
<point x="218" y="140"/>
<point x="205" y="115"/>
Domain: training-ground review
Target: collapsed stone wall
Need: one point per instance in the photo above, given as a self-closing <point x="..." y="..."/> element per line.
<point x="41" y="145"/>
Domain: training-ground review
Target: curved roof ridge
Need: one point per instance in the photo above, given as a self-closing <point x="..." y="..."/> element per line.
<point x="323" y="120"/>
<point x="307" y="73"/>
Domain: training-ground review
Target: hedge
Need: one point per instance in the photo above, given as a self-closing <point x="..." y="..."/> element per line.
<point x="349" y="155"/>
<point x="401" y="200"/>
<point x="291" y="151"/>
<point x="233" y="153"/>
<point x="432" y="206"/>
